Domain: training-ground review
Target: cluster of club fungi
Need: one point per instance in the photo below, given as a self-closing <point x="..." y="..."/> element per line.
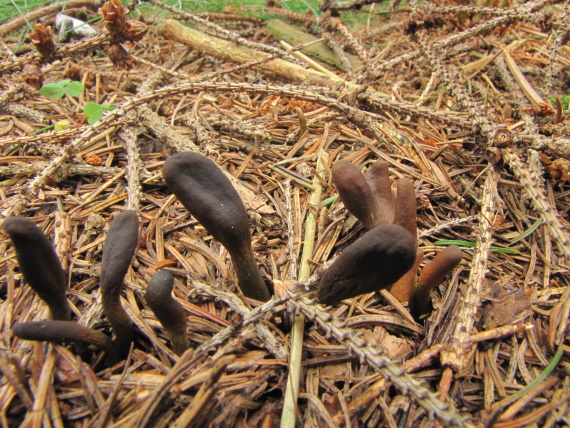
<point x="395" y="252"/>
<point x="385" y="256"/>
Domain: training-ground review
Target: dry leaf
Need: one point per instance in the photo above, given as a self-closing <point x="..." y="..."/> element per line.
<point x="507" y="301"/>
<point x="33" y="76"/>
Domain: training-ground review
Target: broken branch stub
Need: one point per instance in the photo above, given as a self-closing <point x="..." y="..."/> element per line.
<point x="209" y="196"/>
<point x="374" y="262"/>
<point x="120" y="246"/>
<point x="39" y="264"/>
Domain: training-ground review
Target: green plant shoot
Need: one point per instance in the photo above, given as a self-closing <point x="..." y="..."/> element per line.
<point x="59" y="89"/>
<point x="95" y="111"/>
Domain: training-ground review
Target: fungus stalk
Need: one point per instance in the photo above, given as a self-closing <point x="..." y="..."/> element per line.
<point x="406" y="207"/>
<point x="66" y="332"/>
<point x="405" y="215"/>
<point x="403" y="288"/>
<point x="39" y="264"/>
<point x="168" y="311"/>
<point x="209" y="196"/>
<point x="120" y="246"/>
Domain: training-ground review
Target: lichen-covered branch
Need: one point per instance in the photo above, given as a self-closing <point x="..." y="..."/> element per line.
<point x="460" y="345"/>
<point x="373" y="356"/>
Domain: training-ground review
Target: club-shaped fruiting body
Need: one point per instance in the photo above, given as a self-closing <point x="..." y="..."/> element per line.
<point x="431" y="276"/>
<point x="209" y="196"/>
<point x="168" y="311"/>
<point x="118" y="251"/>
<point x="39" y="264"/>
<point x="374" y="262"/>
<point x="378" y="178"/>
<point x="405" y="207"/>
<point x="369" y="198"/>
<point x="355" y="193"/>
<point x="66" y="332"/>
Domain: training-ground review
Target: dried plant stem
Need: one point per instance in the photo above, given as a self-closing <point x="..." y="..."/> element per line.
<point x="560" y="35"/>
<point x="338" y="26"/>
<point x="406" y="384"/>
<point x="134" y="165"/>
<point x="162" y="130"/>
<point x="288" y="416"/>
<point x="446" y="225"/>
<point x="64" y="51"/>
<point x="228" y="51"/>
<point x="67" y="170"/>
<point x="291" y="245"/>
<point x="457" y="354"/>
<point x="403" y="108"/>
<point x="221" y="32"/>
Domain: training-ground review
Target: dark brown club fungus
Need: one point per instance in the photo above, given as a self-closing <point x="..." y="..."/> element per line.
<point x="406" y="207"/>
<point x="39" y="264"/>
<point x="378" y="177"/>
<point x="431" y="276"/>
<point x="208" y="194"/>
<point x="168" y="311"/>
<point x="369" y="198"/>
<point x="374" y="262"/>
<point x="355" y="193"/>
<point x="66" y="332"/>
<point x="405" y="216"/>
<point x="120" y="246"/>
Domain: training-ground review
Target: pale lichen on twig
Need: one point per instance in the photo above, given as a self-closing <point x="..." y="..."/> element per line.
<point x="456" y="355"/>
<point x="531" y="182"/>
<point x="268" y="339"/>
